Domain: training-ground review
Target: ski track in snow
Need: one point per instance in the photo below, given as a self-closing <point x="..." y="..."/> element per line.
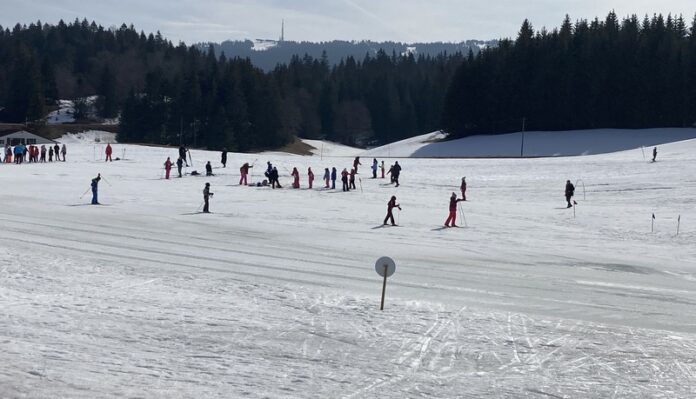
<point x="275" y="294"/>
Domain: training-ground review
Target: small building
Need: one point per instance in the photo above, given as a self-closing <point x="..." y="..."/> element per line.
<point x="22" y="137"/>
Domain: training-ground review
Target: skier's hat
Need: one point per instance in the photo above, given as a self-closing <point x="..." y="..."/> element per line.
<point x="207" y="184"/>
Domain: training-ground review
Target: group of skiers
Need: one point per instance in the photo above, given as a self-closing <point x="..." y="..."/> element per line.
<point x="21" y="153"/>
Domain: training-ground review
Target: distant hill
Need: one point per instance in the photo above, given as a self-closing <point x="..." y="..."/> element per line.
<point x="266" y="54"/>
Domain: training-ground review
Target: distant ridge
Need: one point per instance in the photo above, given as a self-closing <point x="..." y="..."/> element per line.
<point x="266" y="54"/>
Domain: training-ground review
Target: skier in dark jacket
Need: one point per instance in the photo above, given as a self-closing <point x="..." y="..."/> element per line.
<point x="356" y="162"/>
<point x="654" y="153"/>
<point x="333" y="178"/>
<point x="208" y="169"/>
<point x="396" y="171"/>
<point x="56" y="150"/>
<point x="269" y="169"/>
<point x="452" y="211"/>
<point x="463" y="188"/>
<point x="390" y="207"/>
<point x="352" y="179"/>
<point x="179" y="165"/>
<point x="223" y="158"/>
<point x="182" y="155"/>
<point x="344" y="179"/>
<point x="95" y="189"/>
<point x="569" y="192"/>
<point x="327" y="177"/>
<point x="274" y="178"/>
<point x="206" y="196"/>
<point x="374" y="168"/>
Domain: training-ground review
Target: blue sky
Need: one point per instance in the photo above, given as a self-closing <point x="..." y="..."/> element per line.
<point x="315" y="20"/>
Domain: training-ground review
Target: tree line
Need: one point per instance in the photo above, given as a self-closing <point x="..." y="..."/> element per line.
<point x="610" y="73"/>
<point x="172" y="94"/>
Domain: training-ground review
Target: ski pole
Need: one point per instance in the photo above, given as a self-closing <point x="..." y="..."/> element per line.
<point x="200" y="206"/>
<point x="106" y="181"/>
<point x="463" y="215"/>
<point x="574" y="204"/>
<point x="83" y="194"/>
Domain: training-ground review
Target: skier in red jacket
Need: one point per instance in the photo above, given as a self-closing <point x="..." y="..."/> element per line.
<point x="296" y="175"/>
<point x="167" y="168"/>
<point x="453" y="211"/>
<point x="108" y="152"/>
<point x="390" y="206"/>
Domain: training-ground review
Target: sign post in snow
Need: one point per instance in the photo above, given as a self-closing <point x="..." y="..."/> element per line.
<point x="385" y="267"/>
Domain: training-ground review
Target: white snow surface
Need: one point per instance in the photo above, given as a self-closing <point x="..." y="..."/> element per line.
<point x="536" y="144"/>
<point x="89" y="137"/>
<point x="274" y="295"/>
<point x="331" y="149"/>
<point x="64" y="113"/>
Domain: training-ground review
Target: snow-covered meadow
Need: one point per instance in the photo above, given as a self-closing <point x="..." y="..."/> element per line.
<point x="275" y="293"/>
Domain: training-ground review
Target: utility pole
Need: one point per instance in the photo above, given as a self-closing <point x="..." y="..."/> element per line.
<point x="524" y="123"/>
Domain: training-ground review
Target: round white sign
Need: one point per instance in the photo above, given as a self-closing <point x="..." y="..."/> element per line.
<point x="385" y="261"/>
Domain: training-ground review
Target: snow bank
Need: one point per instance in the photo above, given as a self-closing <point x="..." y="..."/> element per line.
<point x="64" y="113"/>
<point x="331" y="149"/>
<point x="536" y="144"/>
<point x="88" y="137"/>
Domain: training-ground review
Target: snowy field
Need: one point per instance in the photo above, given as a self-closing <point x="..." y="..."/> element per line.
<point x="274" y="294"/>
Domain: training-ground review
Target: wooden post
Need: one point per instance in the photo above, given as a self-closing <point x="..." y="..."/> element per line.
<point x="384" y="288"/>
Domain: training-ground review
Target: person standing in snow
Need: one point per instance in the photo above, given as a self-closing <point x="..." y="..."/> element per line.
<point x="452" y="211"/>
<point x="344" y="179"/>
<point x="654" y="153"/>
<point x="56" y="150"/>
<point x="50" y="154"/>
<point x="382" y="167"/>
<point x="310" y="177"/>
<point x="333" y="178"/>
<point x="390" y="207"/>
<point x="208" y="169"/>
<point x="569" y="192"/>
<point x="223" y="157"/>
<point x="95" y="189"/>
<point x="244" y="171"/>
<point x="269" y="169"/>
<point x="463" y="188"/>
<point x="182" y="155"/>
<point x="167" y="168"/>
<point x="327" y="177"/>
<point x="179" y="165"/>
<point x="108" y="153"/>
<point x="43" y="153"/>
<point x="274" y="176"/>
<point x="356" y="162"/>
<point x="352" y="179"/>
<point x="396" y="172"/>
<point x="63" y="151"/>
<point x="206" y="196"/>
<point x="296" y="178"/>
<point x="374" y="168"/>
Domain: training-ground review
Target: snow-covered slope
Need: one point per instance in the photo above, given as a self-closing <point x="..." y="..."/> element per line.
<point x="536" y="144"/>
<point x="275" y="293"/>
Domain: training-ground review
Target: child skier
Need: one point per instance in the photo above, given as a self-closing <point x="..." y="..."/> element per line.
<point x="463" y="188"/>
<point x="244" y="171"/>
<point x="333" y="178"/>
<point x="390" y="207"/>
<point x="452" y="211"/>
<point x="208" y="169"/>
<point x="356" y="162"/>
<point x="296" y="175"/>
<point x="352" y="179"/>
<point x="310" y="177"/>
<point x="167" y="168"/>
<point x="206" y="195"/>
<point x="569" y="192"/>
<point x="344" y="180"/>
<point x="108" y="151"/>
<point x="327" y="177"/>
<point x="374" y="168"/>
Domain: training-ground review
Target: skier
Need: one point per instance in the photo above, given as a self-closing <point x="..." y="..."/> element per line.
<point x="206" y="195"/>
<point x="344" y="179"/>
<point x="244" y="171"/>
<point x="208" y="169"/>
<point x="390" y="172"/>
<point x="654" y="153"/>
<point x="274" y="178"/>
<point x="390" y="206"/>
<point x="167" y="168"/>
<point x="310" y="177"/>
<point x="296" y="180"/>
<point x="56" y="150"/>
<point x="356" y="162"/>
<point x="269" y="169"/>
<point x="463" y="188"/>
<point x="396" y="172"/>
<point x="223" y="158"/>
<point x="63" y="151"/>
<point x="179" y="165"/>
<point x="108" y="152"/>
<point x="382" y="167"/>
<point x="452" y="211"/>
<point x="43" y="153"/>
<point x="8" y="154"/>
<point x="374" y="168"/>
<point x="352" y="179"/>
<point x="333" y="178"/>
<point x="95" y="189"/>
<point x="327" y="177"/>
<point x="50" y="154"/>
<point x="182" y="154"/>
<point x="569" y="192"/>
<point x="18" y="154"/>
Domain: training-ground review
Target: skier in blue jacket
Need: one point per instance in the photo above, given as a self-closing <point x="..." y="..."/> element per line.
<point x="95" y="188"/>
<point x="333" y="178"/>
